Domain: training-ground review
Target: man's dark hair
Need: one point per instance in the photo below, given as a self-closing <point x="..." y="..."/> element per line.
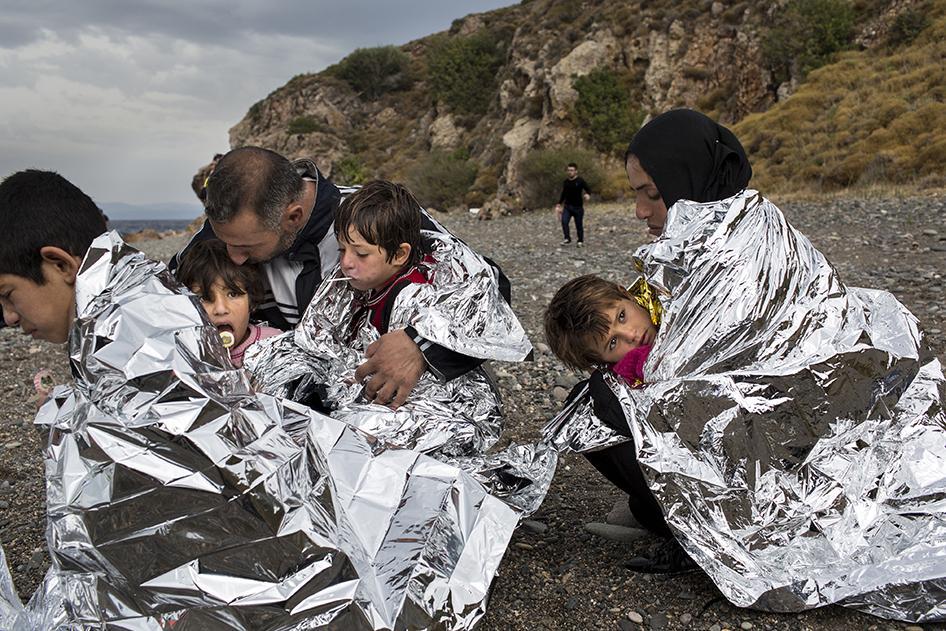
<point x="576" y="322"/>
<point x="41" y="208"/>
<point x="573" y="165"/>
<point x="386" y="215"/>
<point x="207" y="261"/>
<point x="254" y="178"/>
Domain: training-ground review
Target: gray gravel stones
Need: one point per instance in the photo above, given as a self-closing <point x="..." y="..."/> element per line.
<point x="563" y="577"/>
<point x="621" y="515"/>
<point x="533" y="526"/>
<point x="613" y="532"/>
<point x="162" y="249"/>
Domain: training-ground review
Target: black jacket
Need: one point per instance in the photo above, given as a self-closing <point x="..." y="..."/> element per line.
<point x="572" y="192"/>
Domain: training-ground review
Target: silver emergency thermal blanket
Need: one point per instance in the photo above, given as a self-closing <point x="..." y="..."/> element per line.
<point x="791" y="428"/>
<point x="178" y="497"/>
<point x="456" y="421"/>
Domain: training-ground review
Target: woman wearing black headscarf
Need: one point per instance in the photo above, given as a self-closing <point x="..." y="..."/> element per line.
<point x="683" y="154"/>
<point x="783" y="414"/>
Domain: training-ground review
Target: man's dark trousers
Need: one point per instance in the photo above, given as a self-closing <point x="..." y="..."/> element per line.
<point x="578" y="213"/>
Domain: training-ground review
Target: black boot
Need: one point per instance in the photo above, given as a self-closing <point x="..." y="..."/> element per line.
<point x="666" y="557"/>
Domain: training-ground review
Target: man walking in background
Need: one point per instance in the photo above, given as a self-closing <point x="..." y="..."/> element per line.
<point x="571" y="204"/>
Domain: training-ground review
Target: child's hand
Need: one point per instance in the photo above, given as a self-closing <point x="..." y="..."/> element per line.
<point x="43" y="383"/>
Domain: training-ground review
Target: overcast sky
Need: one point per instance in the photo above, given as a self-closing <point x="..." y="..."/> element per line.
<point x="128" y="99"/>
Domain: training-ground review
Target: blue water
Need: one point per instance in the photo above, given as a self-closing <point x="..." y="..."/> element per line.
<point x="125" y="226"/>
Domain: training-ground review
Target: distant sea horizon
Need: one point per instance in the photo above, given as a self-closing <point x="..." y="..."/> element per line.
<point x="127" y="226"/>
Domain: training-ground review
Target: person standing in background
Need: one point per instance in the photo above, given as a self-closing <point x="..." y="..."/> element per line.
<point x="571" y="203"/>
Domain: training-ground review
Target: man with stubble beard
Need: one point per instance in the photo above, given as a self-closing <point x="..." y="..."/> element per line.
<point x="278" y="214"/>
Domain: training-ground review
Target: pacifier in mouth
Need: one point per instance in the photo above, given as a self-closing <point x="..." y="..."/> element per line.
<point x="43" y="382"/>
<point x="225" y="331"/>
<point x="227" y="338"/>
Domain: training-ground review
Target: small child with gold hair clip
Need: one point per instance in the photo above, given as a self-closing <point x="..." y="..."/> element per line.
<point x="592" y="323"/>
<point x="599" y="327"/>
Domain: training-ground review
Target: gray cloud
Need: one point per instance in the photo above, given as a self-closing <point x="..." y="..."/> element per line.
<point x="128" y="100"/>
<point x="224" y="21"/>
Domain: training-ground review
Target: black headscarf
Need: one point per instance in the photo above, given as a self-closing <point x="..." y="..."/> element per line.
<point x="689" y="156"/>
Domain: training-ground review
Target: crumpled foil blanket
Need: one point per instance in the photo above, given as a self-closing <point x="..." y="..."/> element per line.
<point x="456" y="421"/>
<point x="792" y="428"/>
<point x="179" y="497"/>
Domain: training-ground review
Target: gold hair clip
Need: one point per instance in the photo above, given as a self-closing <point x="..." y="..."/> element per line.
<point x="646" y="297"/>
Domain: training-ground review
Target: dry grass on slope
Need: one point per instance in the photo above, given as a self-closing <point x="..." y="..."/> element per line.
<point x="871" y="118"/>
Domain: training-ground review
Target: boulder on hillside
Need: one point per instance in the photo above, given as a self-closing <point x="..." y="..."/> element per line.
<point x="499" y="206"/>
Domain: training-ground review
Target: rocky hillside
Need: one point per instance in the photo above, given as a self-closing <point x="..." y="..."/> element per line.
<point x="460" y="114"/>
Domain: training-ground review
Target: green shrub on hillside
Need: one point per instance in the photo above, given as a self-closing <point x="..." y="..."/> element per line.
<point x="349" y="170"/>
<point x="805" y="35"/>
<point x="907" y="25"/>
<point x="441" y="179"/>
<point x="543" y="171"/>
<point x="562" y="14"/>
<point x="462" y="70"/>
<point x="304" y="125"/>
<point x="603" y="111"/>
<point x="485" y="185"/>
<point x="256" y="112"/>
<point x="373" y="72"/>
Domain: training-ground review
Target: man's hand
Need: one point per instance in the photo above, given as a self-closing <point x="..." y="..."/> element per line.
<point x="558" y="210"/>
<point x="394" y="366"/>
<point x="587" y="197"/>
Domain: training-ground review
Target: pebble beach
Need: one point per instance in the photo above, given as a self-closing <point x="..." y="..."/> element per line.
<point x="556" y="574"/>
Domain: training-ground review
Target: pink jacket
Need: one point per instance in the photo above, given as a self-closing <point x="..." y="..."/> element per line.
<point x="631" y="366"/>
<point x="256" y="334"/>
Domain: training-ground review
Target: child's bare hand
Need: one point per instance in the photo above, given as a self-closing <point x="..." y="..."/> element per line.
<point x="393" y="368"/>
<point x="43" y="383"/>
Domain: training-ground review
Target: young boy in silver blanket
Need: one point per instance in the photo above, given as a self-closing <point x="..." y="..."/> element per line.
<point x="392" y="274"/>
<point x="171" y="482"/>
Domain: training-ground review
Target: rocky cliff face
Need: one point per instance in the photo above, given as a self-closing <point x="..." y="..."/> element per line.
<point x="700" y="54"/>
